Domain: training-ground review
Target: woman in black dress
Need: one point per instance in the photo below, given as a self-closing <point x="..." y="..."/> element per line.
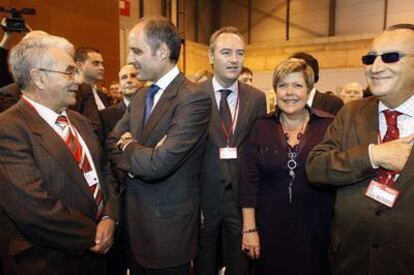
<point x="285" y="220"/>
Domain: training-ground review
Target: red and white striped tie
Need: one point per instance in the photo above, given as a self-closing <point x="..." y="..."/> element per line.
<point x="71" y="139"/>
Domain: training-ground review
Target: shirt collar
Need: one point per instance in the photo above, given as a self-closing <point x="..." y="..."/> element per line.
<point x="217" y="86"/>
<point x="311" y="96"/>
<point x="405" y="108"/>
<point x="47" y="114"/>
<point x="166" y="79"/>
<point x="126" y="101"/>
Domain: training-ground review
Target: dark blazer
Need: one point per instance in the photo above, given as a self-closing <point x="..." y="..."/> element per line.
<point x="5" y="76"/>
<point x="367" y="237"/>
<point x="162" y="200"/>
<point x="105" y="99"/>
<point x="9" y="95"/>
<point x="218" y="174"/>
<point x="111" y="115"/>
<point x="86" y="105"/>
<point x="328" y="103"/>
<point x="47" y="212"/>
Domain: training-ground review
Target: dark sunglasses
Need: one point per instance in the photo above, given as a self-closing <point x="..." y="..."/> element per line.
<point x="390" y="57"/>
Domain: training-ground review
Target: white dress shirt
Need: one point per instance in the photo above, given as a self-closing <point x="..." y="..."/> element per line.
<point x="232" y="99"/>
<point x="163" y="83"/>
<point x="50" y="117"/>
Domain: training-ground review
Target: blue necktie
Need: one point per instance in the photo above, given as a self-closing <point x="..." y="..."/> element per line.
<point x="149" y="101"/>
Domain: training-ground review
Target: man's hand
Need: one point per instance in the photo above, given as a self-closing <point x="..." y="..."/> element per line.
<point x="124" y="140"/>
<point x="5" y="41"/>
<point x="392" y="155"/>
<point x="104" y="237"/>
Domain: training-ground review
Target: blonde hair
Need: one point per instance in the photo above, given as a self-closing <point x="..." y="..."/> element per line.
<point x="294" y="65"/>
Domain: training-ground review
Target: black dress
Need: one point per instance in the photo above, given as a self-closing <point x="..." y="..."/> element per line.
<point x="294" y="235"/>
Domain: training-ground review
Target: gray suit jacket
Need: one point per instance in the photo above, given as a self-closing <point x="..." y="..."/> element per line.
<point x="45" y="201"/>
<point x="162" y="201"/>
<point x="217" y="175"/>
<point x="367" y="237"/>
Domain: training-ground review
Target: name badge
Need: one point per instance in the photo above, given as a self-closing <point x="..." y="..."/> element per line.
<point x="91" y="177"/>
<point x="228" y="153"/>
<point x="382" y="193"/>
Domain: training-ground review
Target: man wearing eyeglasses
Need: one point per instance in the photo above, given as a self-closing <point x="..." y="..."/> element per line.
<point x="58" y="206"/>
<point x="367" y="154"/>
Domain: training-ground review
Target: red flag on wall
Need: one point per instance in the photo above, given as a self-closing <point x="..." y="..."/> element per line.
<point x="124" y="7"/>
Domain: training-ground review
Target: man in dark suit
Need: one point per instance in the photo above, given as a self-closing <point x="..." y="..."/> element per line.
<point x="235" y="108"/>
<point x="162" y="140"/>
<point x="89" y="99"/>
<point x="367" y="153"/>
<point x="129" y="85"/>
<point x="5" y="76"/>
<point x="92" y="70"/>
<point x="322" y="101"/>
<point x="57" y="204"/>
<point x="9" y="95"/>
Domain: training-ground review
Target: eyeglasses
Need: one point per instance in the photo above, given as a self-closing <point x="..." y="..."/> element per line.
<point x="71" y="71"/>
<point x="390" y="57"/>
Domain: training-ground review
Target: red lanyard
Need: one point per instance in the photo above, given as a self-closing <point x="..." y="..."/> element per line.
<point x="227" y="132"/>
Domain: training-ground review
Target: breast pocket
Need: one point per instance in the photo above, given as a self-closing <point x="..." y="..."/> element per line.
<point x="268" y="153"/>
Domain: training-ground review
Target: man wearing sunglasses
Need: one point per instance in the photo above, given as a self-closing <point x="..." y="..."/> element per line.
<point x="367" y="154"/>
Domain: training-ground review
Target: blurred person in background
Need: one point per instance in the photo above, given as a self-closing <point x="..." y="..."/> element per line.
<point x="246" y="76"/>
<point x="202" y="75"/>
<point x="352" y="91"/>
<point x="114" y="93"/>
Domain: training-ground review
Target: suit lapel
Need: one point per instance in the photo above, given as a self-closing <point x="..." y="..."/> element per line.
<point x="318" y="100"/>
<point x="366" y="125"/>
<point x="243" y="117"/>
<point x="136" y="114"/>
<point x="56" y="147"/>
<point x="162" y="106"/>
<point x="215" y="129"/>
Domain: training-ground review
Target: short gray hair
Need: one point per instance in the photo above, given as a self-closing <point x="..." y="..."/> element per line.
<point x="32" y="53"/>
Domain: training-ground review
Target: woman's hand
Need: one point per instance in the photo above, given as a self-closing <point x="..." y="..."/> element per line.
<point x="251" y="244"/>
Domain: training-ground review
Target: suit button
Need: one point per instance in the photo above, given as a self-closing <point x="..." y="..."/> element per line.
<point x="229" y="186"/>
<point x="379" y="212"/>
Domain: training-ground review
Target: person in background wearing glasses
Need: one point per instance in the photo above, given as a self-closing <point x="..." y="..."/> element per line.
<point x="284" y="218"/>
<point x="58" y="206"/>
<point x="367" y="154"/>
